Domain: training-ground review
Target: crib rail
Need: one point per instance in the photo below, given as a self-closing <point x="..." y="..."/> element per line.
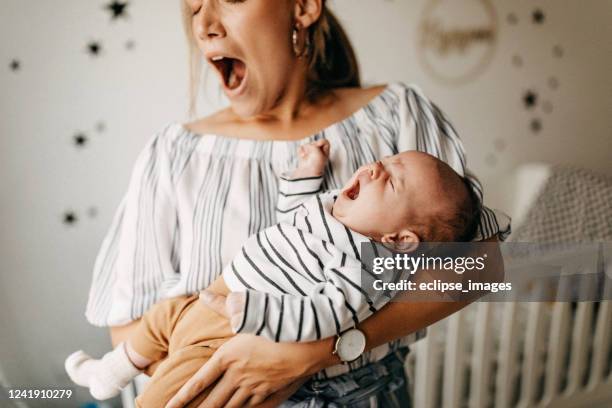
<point x="517" y="355"/>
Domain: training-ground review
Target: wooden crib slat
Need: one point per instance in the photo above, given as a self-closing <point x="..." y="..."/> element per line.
<point x="481" y="356"/>
<point x="426" y="369"/>
<point x="454" y="358"/>
<point x="532" y="365"/>
<point x="557" y="347"/>
<point x="602" y="339"/>
<point x="507" y="357"/>
<point x="128" y="395"/>
<point x="601" y="344"/>
<point x="580" y="342"/>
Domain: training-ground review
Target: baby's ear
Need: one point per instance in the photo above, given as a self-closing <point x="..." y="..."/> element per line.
<point x="404" y="241"/>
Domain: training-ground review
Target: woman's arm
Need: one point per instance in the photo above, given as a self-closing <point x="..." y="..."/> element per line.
<point x="251" y="368"/>
<point x="135" y="256"/>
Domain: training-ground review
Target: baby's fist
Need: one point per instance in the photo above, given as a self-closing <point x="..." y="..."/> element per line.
<point x="312" y="159"/>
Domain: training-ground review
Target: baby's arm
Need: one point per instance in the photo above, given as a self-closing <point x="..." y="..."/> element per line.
<point x="298" y="186"/>
<point x="336" y="304"/>
<point x="312" y="159"/>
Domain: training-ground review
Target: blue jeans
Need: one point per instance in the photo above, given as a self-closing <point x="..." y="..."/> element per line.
<point x="379" y="384"/>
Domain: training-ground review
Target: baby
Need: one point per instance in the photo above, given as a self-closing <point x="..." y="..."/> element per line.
<point x="288" y="275"/>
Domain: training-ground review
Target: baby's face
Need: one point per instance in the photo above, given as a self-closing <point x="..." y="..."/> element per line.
<point x="380" y="197"/>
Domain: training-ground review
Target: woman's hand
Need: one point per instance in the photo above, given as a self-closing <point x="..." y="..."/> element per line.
<point x="249" y="369"/>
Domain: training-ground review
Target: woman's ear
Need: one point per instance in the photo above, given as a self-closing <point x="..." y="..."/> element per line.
<point x="308" y="11"/>
<point x="403" y="241"/>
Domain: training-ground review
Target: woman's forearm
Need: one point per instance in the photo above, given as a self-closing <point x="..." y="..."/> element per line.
<point x="395" y="320"/>
<point x="400" y="318"/>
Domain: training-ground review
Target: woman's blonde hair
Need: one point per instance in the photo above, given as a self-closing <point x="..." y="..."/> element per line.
<point x="331" y="59"/>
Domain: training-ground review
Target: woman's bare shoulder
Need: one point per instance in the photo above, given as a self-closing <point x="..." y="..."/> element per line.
<point x="355" y="98"/>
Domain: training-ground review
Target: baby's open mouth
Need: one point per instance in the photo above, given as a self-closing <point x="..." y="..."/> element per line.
<point x="353" y="192"/>
<point x="232" y="70"/>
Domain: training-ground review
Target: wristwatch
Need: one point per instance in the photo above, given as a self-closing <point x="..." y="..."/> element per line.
<point x="350" y="345"/>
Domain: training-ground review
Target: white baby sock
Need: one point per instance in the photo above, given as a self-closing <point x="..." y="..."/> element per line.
<point x="104" y="377"/>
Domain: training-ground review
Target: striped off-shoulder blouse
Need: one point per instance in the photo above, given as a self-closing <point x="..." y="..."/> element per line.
<point x="193" y="199"/>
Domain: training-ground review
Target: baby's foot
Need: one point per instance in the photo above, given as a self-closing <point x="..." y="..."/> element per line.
<point x="312" y="159"/>
<point x="105" y="377"/>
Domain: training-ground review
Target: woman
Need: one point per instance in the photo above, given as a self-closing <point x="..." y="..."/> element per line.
<point x="198" y="190"/>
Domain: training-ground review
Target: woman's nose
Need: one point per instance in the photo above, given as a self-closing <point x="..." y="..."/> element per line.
<point x="208" y="22"/>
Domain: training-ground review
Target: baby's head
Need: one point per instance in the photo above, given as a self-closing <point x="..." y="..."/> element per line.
<point x="408" y="198"/>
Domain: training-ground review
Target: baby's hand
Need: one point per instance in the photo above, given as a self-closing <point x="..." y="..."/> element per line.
<point x="230" y="306"/>
<point x="312" y="159"/>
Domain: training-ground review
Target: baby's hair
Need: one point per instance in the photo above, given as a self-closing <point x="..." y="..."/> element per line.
<point x="468" y="215"/>
<point x="459" y="220"/>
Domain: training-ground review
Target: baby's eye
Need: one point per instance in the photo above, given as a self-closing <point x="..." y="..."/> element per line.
<point x="391" y="182"/>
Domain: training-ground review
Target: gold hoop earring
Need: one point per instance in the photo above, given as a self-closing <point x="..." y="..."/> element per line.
<point x="300" y="40"/>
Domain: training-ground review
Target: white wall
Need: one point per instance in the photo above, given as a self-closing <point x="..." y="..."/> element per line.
<point x="45" y="266"/>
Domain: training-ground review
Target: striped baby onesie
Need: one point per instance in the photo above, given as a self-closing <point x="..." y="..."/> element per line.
<point x="302" y="276"/>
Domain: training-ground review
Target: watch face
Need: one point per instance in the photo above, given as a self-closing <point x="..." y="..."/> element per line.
<point x="351" y="344"/>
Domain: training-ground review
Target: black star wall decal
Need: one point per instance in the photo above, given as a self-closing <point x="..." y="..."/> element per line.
<point x="117" y="9"/>
<point x="94" y="48"/>
<point x="538" y="16"/>
<point x="536" y="125"/>
<point x="558" y="51"/>
<point x="553" y="83"/>
<point x="530" y="99"/>
<point x="15" y="65"/>
<point x="92" y="212"/>
<point x="547" y="106"/>
<point x="70" y="218"/>
<point x="80" y="139"/>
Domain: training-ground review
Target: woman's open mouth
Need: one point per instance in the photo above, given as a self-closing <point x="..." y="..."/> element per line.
<point x="233" y="72"/>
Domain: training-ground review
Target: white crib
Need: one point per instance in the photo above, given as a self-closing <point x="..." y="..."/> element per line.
<point x="517" y="354"/>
